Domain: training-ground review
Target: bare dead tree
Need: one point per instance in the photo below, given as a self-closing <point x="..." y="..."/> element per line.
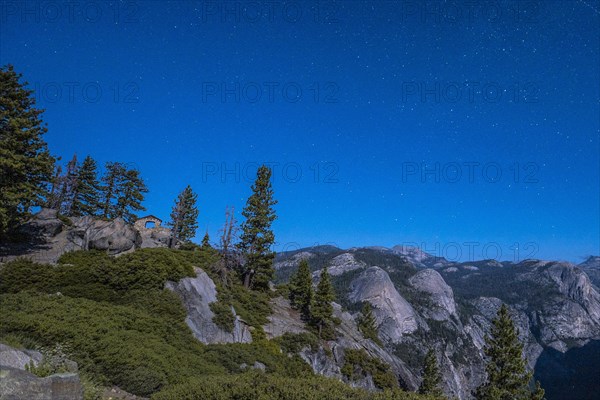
<point x="229" y="255"/>
<point x="229" y="231"/>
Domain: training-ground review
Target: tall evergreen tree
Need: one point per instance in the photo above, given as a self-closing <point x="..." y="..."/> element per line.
<point x="301" y="291"/>
<point x="431" y="376"/>
<point x="367" y="323"/>
<point x="322" y="309"/>
<point x="110" y="188"/>
<point x="206" y="241"/>
<point x="69" y="183"/>
<point x="131" y="191"/>
<point x="507" y="375"/>
<point x="86" y="198"/>
<point x="26" y="166"/>
<point x="184" y="217"/>
<point x="538" y="392"/>
<point x="257" y="237"/>
<point x="53" y="199"/>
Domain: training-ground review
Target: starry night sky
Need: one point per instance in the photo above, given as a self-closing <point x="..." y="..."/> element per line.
<point x="469" y="129"/>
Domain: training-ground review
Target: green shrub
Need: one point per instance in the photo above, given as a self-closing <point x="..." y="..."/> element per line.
<point x="251" y="305"/>
<point x="257" y="386"/>
<point x="65" y="220"/>
<point x="295" y="342"/>
<point x="23" y="274"/>
<point x="223" y="317"/>
<point x="357" y="364"/>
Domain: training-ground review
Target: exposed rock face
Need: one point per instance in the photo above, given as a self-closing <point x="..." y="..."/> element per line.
<point x="591" y="267"/>
<point x="568" y="315"/>
<point x="44" y="223"/>
<point x="340" y="264"/>
<point x="17" y="384"/>
<point x="395" y="316"/>
<point x="50" y="237"/>
<point x="14" y="358"/>
<point x="294" y="260"/>
<point x="197" y="293"/>
<point x="156" y="237"/>
<point x="480" y="325"/>
<point x="431" y="282"/>
<point x="283" y="320"/>
<point x="419" y="258"/>
<point x="344" y="263"/>
<point x="113" y="236"/>
<point x="349" y="337"/>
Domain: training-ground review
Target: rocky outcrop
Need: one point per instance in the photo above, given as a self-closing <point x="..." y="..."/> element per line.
<point x="293" y="260"/>
<point x="591" y="267"/>
<point x="419" y="258"/>
<point x="197" y="294"/>
<point x="49" y="237"/>
<point x="339" y="265"/>
<point x="114" y="236"/>
<point x="284" y="319"/>
<point x="349" y="337"/>
<point x="19" y="359"/>
<point x="480" y="325"/>
<point x="344" y="263"/>
<point x="431" y="283"/>
<point x="45" y="223"/>
<point x="395" y="316"/>
<point x="156" y="237"/>
<point x="17" y="384"/>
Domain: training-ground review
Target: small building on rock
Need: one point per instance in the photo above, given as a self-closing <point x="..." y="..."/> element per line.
<point x="147" y="222"/>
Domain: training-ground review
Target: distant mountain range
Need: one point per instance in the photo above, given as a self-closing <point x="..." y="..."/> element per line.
<point x="423" y="301"/>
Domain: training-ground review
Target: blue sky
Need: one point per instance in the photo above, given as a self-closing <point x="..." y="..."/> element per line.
<point x="449" y="125"/>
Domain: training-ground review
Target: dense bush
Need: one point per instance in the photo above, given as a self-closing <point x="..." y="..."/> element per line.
<point x="108" y="339"/>
<point x="295" y="342"/>
<point x="223" y="317"/>
<point x="257" y="386"/>
<point x="251" y="305"/>
<point x="357" y="364"/>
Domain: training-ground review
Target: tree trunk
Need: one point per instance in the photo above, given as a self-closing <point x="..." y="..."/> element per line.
<point x="248" y="278"/>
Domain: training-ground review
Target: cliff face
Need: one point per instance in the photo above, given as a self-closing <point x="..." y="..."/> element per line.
<point x="197" y="294"/>
<point x="591" y="267"/>
<point x="395" y="316"/>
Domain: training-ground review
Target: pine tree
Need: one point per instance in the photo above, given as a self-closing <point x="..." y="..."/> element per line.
<point x="257" y="237"/>
<point x="538" y="392"/>
<point x="131" y="190"/>
<point x="26" y="166"/>
<point x="69" y="183"/>
<point x="367" y="323"/>
<point x="53" y="200"/>
<point x="184" y="217"/>
<point x="322" y="309"/>
<point x="206" y="241"/>
<point x="86" y="199"/>
<point x="301" y="292"/>
<point x="431" y="376"/>
<point x="110" y="188"/>
<point x="507" y="375"/>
